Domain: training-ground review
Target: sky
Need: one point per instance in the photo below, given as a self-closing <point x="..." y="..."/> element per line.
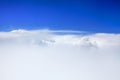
<point x="59" y="40"/>
<point x="82" y="15"/>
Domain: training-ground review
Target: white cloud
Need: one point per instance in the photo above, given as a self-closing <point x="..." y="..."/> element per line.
<point x="59" y="55"/>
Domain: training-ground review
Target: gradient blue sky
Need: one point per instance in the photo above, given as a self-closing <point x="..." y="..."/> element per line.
<point x="83" y="15"/>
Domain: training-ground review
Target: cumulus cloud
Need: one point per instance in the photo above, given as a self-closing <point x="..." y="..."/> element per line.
<point x="59" y="55"/>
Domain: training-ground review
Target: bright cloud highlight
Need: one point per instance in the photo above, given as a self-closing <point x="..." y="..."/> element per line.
<point x="59" y="55"/>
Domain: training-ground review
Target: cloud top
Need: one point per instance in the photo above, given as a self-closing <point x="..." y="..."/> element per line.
<point x="59" y="55"/>
<point x="50" y="37"/>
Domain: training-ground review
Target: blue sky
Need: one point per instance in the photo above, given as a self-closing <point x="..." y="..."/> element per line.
<point x="82" y="15"/>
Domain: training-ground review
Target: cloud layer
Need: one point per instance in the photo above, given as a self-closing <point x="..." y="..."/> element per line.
<point x="59" y="55"/>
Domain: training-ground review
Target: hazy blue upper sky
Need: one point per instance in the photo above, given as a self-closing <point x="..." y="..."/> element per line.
<point x="83" y="15"/>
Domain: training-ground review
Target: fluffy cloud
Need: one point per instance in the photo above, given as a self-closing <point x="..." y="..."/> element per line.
<point x="59" y="55"/>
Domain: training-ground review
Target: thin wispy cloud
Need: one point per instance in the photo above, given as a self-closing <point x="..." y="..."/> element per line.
<point x="47" y="55"/>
